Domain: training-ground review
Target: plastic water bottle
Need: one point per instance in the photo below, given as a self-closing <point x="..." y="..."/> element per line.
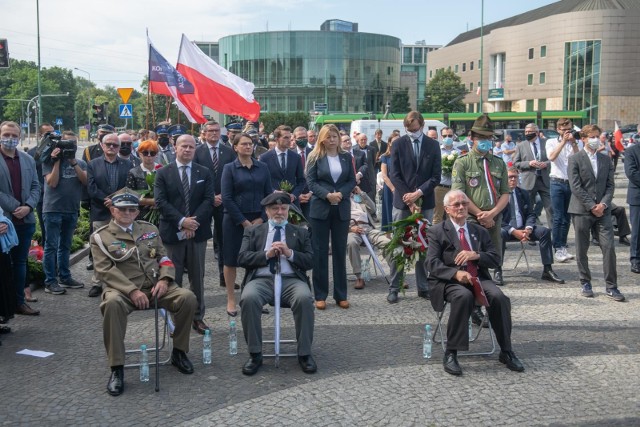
<point x="233" y="338"/>
<point x="144" y="364"/>
<point x="426" y="342"/>
<point x="206" y="347"/>
<point x="470" y="329"/>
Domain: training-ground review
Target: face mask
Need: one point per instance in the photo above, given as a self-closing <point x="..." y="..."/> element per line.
<point x="163" y="141"/>
<point x="280" y="224"/>
<point x="414" y="135"/>
<point x="530" y="136"/>
<point x="593" y="143"/>
<point x="448" y="141"/>
<point x="125" y="149"/>
<point x="135" y="145"/>
<point x="357" y="198"/>
<point x="10" y="143"/>
<point x="484" y="145"/>
<point x="301" y="142"/>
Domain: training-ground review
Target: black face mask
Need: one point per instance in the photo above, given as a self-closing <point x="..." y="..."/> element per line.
<point x="163" y="140"/>
<point x="125" y="149"/>
<point x="530" y="136"/>
<point x="301" y="142"/>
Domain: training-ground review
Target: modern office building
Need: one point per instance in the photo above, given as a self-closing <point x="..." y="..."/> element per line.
<point x="569" y="55"/>
<point x="413" y="70"/>
<point x="336" y="70"/>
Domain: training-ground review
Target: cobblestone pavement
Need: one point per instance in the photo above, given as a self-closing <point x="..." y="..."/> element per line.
<point x="582" y="359"/>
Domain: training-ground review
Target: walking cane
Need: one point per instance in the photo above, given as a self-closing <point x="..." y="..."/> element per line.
<point x="155" y="303"/>
<point x="277" y="290"/>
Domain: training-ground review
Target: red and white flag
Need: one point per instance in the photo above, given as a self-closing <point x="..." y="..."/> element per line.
<point x="164" y="79"/>
<point x="216" y="87"/>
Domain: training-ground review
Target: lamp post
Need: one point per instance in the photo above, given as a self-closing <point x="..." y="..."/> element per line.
<point x="481" y="55"/>
<point x="38" y="112"/>
<point x="39" y="117"/>
<point x="89" y="91"/>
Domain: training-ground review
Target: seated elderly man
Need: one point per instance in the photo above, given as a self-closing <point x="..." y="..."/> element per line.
<point x="130" y="259"/>
<point x="362" y="208"/>
<point x="262" y="246"/>
<point x="459" y="251"/>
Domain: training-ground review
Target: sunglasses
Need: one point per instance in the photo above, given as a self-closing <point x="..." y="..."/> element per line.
<point x="127" y="210"/>
<point x="458" y="205"/>
<point x="111" y="145"/>
<point x="149" y="153"/>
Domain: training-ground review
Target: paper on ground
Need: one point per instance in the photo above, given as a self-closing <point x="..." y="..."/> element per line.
<point x="35" y="353"/>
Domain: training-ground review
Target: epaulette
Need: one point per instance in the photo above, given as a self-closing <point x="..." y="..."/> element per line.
<point x="141" y="221"/>
<point x="101" y="228"/>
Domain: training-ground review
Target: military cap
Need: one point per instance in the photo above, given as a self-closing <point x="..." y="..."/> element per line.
<point x="276" y="198"/>
<point x="125" y="197"/>
<point x="106" y="128"/>
<point x="234" y="126"/>
<point x="162" y="129"/>
<point x="483" y="126"/>
<point x="177" y="130"/>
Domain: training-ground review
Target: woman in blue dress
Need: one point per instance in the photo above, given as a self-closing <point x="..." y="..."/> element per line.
<point x="387" y="190"/>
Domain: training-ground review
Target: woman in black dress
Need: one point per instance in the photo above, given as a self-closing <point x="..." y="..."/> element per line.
<point x="7" y="291"/>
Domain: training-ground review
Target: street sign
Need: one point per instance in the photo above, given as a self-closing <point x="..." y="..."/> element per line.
<point x="320" y="106"/>
<point x="84" y="134"/>
<point x="496" y="94"/>
<point x="24" y="125"/>
<point x="125" y="93"/>
<point x="125" y="111"/>
<point x="58" y="121"/>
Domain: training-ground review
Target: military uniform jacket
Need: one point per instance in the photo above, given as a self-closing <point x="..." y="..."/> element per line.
<point x="468" y="175"/>
<point x="128" y="262"/>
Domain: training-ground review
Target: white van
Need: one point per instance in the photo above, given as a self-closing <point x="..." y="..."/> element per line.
<point x="369" y="127"/>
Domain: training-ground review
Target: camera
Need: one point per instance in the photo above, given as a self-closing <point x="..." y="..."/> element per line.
<point x="49" y="142"/>
<point x="576" y="134"/>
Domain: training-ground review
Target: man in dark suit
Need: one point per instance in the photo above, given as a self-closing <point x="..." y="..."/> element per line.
<point x="459" y="251"/>
<point x="184" y="194"/>
<point x="591" y="181"/>
<point x="632" y="170"/>
<point x="368" y="184"/>
<point x="380" y="146"/>
<point x="105" y="175"/>
<point x="303" y="149"/>
<point x="261" y="246"/>
<point x="415" y="172"/>
<point x="531" y="159"/>
<point x="519" y="223"/>
<point x="284" y="164"/>
<point x="359" y="161"/>
<point x="214" y="155"/>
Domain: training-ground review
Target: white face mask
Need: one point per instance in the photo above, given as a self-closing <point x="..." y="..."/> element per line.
<point x="414" y="135"/>
<point x="10" y="143"/>
<point x="593" y="143"/>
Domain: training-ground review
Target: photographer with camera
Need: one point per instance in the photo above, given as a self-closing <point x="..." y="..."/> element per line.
<point x="65" y="177"/>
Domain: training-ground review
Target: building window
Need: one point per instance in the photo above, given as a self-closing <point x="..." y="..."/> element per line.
<point x="543" y="51"/>
<point x="417" y="55"/>
<point x="542" y="105"/>
<point x="430" y="73"/>
<point x="470" y="65"/>
<point x="531" y="53"/>
<point x="456" y="69"/>
<point x="530" y="79"/>
<point x="471" y="87"/>
<point x="406" y="55"/>
<point x="464" y="67"/>
<point x="529" y="105"/>
<point x="543" y="78"/>
<point x="497" y="67"/>
<point x="581" y="80"/>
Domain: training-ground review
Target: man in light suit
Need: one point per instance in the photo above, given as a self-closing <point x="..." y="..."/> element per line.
<point x="205" y="155"/>
<point x="106" y="174"/>
<point x="632" y="170"/>
<point x="184" y="194"/>
<point x="452" y="262"/>
<point x="416" y="170"/>
<point x="531" y="159"/>
<point x="285" y="164"/>
<point x="591" y="181"/>
<point x="262" y="246"/>
<point x="368" y="183"/>
<point x="19" y="195"/>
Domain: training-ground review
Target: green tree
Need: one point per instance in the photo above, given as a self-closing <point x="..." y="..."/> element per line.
<point x="444" y="94"/>
<point x="400" y="102"/>
<point x="273" y="120"/>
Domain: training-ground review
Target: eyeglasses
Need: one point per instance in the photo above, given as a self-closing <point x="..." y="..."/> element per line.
<point x="448" y="136"/>
<point x="127" y="209"/>
<point x="111" y="145"/>
<point x="513" y="177"/>
<point x="149" y="153"/>
<point x="458" y="205"/>
<point x="213" y="130"/>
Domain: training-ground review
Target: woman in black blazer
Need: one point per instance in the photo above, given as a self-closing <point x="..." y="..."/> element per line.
<point x="245" y="182"/>
<point x="331" y="178"/>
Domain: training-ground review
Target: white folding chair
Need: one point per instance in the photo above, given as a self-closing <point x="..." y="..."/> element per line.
<point x="473" y="336"/>
<point x="523" y="253"/>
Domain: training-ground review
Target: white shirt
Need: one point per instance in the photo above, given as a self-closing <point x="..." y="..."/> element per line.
<point x="278" y="154"/>
<point x="560" y="165"/>
<point x="466" y="233"/>
<point x="285" y="266"/>
<point x="188" y="165"/>
<point x="508" y="146"/>
<point x="593" y="158"/>
<point x="334" y="167"/>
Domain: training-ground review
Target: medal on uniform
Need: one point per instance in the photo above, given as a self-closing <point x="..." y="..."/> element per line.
<point x="152" y="252"/>
<point x="473" y="182"/>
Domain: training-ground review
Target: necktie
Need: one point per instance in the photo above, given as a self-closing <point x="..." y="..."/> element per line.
<point x="214" y="159"/>
<point x="277" y="236"/>
<point x="472" y="268"/>
<point x="303" y="159"/>
<point x="283" y="163"/>
<point x="416" y="149"/>
<point x="186" y="190"/>
<point x="535" y="153"/>
<point x="512" y="209"/>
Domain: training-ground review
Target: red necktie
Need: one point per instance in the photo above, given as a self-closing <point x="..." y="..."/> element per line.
<point x="472" y="268"/>
<point x="302" y="156"/>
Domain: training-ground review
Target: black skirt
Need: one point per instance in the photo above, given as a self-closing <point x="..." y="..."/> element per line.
<point x="8" y="299"/>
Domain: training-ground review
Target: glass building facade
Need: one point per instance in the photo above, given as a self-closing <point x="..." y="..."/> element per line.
<point x="582" y="77"/>
<point x="292" y="70"/>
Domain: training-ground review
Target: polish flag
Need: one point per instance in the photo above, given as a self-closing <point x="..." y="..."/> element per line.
<point x="216" y="87"/>
<point x="164" y="79"/>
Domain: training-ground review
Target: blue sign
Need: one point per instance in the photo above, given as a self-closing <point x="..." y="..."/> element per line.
<point x="24" y="125"/>
<point x="126" y="111"/>
<point x="58" y="121"/>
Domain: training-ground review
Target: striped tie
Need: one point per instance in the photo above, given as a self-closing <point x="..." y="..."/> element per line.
<point x="214" y="159"/>
<point x="186" y="190"/>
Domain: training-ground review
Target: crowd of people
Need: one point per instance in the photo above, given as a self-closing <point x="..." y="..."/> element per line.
<point x="155" y="199"/>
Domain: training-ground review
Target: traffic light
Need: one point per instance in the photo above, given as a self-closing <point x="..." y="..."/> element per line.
<point x="4" y="54"/>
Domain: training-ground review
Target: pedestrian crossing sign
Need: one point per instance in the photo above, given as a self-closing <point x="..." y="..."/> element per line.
<point x="125" y="111"/>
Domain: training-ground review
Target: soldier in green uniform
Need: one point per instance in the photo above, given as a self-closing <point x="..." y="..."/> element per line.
<point x="483" y="178"/>
<point x="130" y="259"/>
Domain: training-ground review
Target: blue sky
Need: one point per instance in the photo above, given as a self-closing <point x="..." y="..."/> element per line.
<point x="107" y="38"/>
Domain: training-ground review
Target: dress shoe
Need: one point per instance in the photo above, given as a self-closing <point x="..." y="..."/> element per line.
<point x="635" y="267"/>
<point x="392" y="298"/>
<point x="307" y="364"/>
<point x="424" y="294"/>
<point x="478" y="318"/>
<point x="253" y="364"/>
<point x="90" y="265"/>
<point x="624" y="240"/>
<point x="115" y="386"/>
<point x="24" y="309"/>
<point x="551" y="276"/>
<point x="497" y="277"/>
<point x="199" y="326"/>
<point x="343" y="304"/>
<point x="95" y="291"/>
<point x="5" y="330"/>
<point x="180" y="360"/>
<point x="359" y="284"/>
<point x="321" y="305"/>
<point x="451" y="365"/>
<point x="509" y="358"/>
